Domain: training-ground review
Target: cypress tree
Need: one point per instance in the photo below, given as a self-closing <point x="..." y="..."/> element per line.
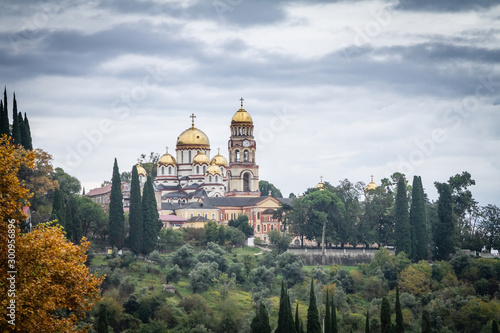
<point x="494" y="327"/>
<point x="334" y="316"/>
<point x="399" y="314"/>
<point x="367" y="323"/>
<point x="418" y="223"/>
<point x="26" y="134"/>
<point x="426" y="322"/>
<point x="3" y="120"/>
<point x="385" y="316"/>
<point x="290" y="326"/>
<point x="5" y="112"/>
<point x="116" y="227"/>
<point x="150" y="217"/>
<point x="281" y="316"/>
<point x="328" y="318"/>
<point x="313" y="324"/>
<point x="302" y="327"/>
<point x="102" y="322"/>
<point x="16" y="130"/>
<point x="73" y="224"/>
<point x="297" y="321"/>
<point x="58" y="207"/>
<point x="444" y="230"/>
<point x="402" y="227"/>
<point x="260" y="322"/>
<point x="136" y="230"/>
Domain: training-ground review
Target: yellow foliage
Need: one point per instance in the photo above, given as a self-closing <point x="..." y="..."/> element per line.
<point x="331" y="289"/>
<point x="414" y="280"/>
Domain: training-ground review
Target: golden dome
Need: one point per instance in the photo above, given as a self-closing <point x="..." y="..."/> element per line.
<point x="213" y="169"/>
<point x="241" y="117"/>
<point x="167" y="160"/>
<point x="193" y="138"/>
<point x="201" y="158"/>
<point x="141" y="170"/>
<point x="320" y="186"/>
<point x="371" y="186"/>
<point x="219" y="160"/>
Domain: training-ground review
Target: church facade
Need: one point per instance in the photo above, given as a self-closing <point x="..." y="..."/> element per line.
<point x="192" y="174"/>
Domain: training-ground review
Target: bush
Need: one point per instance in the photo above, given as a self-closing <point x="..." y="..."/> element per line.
<point x="184" y="257"/>
<point x="173" y="274"/>
<point x="202" y="276"/>
<point x="262" y="276"/>
<point x="157" y="259"/>
<point x="193" y="303"/>
<point x="290" y="266"/>
<point x="319" y="273"/>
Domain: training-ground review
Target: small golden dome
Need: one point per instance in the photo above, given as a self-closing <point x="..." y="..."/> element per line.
<point x="241" y="117"/>
<point x="201" y="158"/>
<point x="213" y="169"/>
<point x="371" y="186"/>
<point x="320" y="186"/>
<point x="219" y="160"/>
<point x="141" y="170"/>
<point x="167" y="160"/>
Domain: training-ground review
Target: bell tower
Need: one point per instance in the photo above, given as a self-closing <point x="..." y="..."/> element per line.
<point x="242" y="172"/>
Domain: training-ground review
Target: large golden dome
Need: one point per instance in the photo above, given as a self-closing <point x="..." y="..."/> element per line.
<point x="167" y="160"/>
<point x="193" y="138"/>
<point x="201" y="158"/>
<point x="219" y="160"/>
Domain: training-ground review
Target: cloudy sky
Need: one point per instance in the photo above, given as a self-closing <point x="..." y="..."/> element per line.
<point x="339" y="89"/>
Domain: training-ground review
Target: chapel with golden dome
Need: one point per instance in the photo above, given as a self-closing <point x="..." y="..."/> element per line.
<point x="192" y="174"/>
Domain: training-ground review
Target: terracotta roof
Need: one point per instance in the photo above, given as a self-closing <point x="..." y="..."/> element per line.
<point x="99" y="191"/>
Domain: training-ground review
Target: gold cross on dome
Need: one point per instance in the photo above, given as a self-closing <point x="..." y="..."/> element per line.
<point x="241" y="99"/>
<point x="321" y="177"/>
<point x="167" y="149"/>
<point x="372" y="178"/>
<point x="192" y="116"/>
<point x="218" y="151"/>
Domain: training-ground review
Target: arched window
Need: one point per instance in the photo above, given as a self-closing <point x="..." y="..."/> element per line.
<point x="213" y="216"/>
<point x="169" y="170"/>
<point x="246" y="182"/>
<point x="209" y="179"/>
<point x="236" y="155"/>
<point x="206" y="216"/>
<point x="245" y="156"/>
<point x="197" y="169"/>
<point x="258" y="215"/>
<point x="189" y="160"/>
<point x="204" y="169"/>
<point x="258" y="228"/>
<point x="162" y="170"/>
<point x="216" y="179"/>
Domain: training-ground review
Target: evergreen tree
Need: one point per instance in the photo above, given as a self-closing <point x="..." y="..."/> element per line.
<point x="290" y="325"/>
<point x="150" y="217"/>
<point x="385" y="316"/>
<point x="260" y="322"/>
<point x="285" y="317"/>
<point x="328" y="318"/>
<point x="5" y="118"/>
<point x="279" y="329"/>
<point x="494" y="327"/>
<point x="444" y="230"/>
<point x="313" y="324"/>
<point x="26" y="134"/>
<point x="367" y="323"/>
<point x="426" y="322"/>
<point x="4" y="121"/>
<point x="418" y="223"/>
<point x="402" y="226"/>
<point x="16" y="130"/>
<point x="136" y="223"/>
<point x="297" y="320"/>
<point x="73" y="224"/>
<point x="334" y="316"/>
<point x="399" y="328"/>
<point x="102" y="321"/>
<point x="58" y="207"/>
<point x="116" y="227"/>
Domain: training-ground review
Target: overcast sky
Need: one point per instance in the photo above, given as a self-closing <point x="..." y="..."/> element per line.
<point x="339" y="89"/>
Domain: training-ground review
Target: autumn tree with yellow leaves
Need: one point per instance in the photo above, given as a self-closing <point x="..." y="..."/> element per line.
<point x="54" y="289"/>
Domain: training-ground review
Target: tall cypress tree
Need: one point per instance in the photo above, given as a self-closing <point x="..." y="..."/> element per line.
<point x="385" y="316"/>
<point x="367" y="322"/>
<point x="444" y="230"/>
<point x="313" y="324"/>
<point x="29" y="140"/>
<point x="281" y="316"/>
<point x="3" y="120"/>
<point x="399" y="314"/>
<point x="116" y="228"/>
<point x="334" y="316"/>
<point x="16" y="130"/>
<point x="297" y="320"/>
<point x="58" y="207"/>
<point x="136" y="223"/>
<point x="426" y="322"/>
<point x="260" y="322"/>
<point x="150" y="217"/>
<point x="102" y="321"/>
<point x="73" y="224"/>
<point x="5" y="112"/>
<point x="402" y="227"/>
<point x="290" y="326"/>
<point x="494" y="327"/>
<point x="328" y="318"/>
<point x="419" y="241"/>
